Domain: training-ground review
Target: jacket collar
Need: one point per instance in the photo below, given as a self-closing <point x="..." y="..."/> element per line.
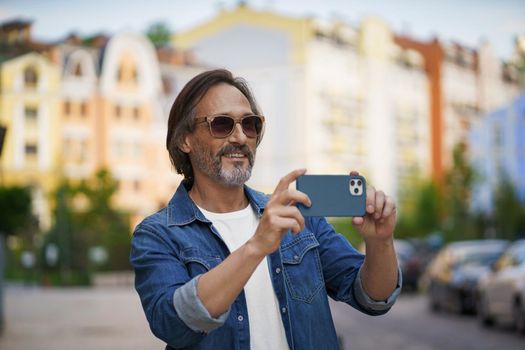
<point x="182" y="210"/>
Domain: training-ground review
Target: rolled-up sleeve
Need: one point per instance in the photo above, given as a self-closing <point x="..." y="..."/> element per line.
<point x="192" y="312"/>
<point x="159" y="274"/>
<point x="377" y="305"/>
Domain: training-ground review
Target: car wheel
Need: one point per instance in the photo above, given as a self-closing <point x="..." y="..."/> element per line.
<point x="483" y="314"/>
<point x="519" y="317"/>
<point x="433" y="302"/>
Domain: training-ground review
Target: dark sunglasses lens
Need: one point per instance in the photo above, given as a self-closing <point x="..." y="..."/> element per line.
<point x="222" y="126"/>
<point x="252" y="126"/>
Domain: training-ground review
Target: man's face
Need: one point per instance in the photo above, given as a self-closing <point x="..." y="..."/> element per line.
<point x="229" y="160"/>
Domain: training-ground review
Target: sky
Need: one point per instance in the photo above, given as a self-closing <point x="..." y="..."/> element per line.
<point x="464" y="21"/>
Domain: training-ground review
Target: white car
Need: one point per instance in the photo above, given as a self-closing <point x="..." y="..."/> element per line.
<point x="501" y="293"/>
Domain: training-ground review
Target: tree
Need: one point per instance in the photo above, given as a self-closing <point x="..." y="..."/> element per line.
<point x="15" y="209"/>
<point x="459" y="223"/>
<point x="509" y="212"/>
<point x="159" y="33"/>
<point x="421" y="210"/>
<point x="85" y="220"/>
<point x="108" y="227"/>
<point x="15" y="215"/>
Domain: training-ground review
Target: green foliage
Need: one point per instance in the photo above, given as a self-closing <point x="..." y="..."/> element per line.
<point x="85" y="219"/>
<point x="15" y="209"/>
<point x="422" y="211"/>
<point x="159" y="33"/>
<point x="509" y="212"/>
<point x="459" y="222"/>
<point x="449" y="211"/>
<point x="344" y="227"/>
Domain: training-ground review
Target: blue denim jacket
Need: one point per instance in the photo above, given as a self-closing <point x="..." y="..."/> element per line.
<point x="173" y="247"/>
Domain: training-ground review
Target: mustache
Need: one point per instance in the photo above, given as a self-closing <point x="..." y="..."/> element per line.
<point x="243" y="149"/>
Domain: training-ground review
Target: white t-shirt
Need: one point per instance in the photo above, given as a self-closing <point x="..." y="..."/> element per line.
<point x="266" y="327"/>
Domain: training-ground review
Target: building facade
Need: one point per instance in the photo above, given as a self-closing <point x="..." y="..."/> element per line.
<point x="498" y="153"/>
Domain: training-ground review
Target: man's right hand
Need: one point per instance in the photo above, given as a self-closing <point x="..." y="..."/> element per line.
<point x="280" y="215"/>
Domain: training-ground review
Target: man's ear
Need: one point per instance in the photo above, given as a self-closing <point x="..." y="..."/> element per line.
<point x="185" y="146"/>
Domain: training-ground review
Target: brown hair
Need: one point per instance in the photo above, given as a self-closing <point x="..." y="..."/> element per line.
<point x="183" y="112"/>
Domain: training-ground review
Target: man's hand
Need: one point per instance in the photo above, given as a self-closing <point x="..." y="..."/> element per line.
<point x="380" y="220"/>
<point x="280" y="215"/>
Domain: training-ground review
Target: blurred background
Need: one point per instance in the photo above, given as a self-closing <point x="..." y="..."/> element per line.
<point x="426" y="100"/>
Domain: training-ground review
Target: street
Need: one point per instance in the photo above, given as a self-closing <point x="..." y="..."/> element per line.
<point x="411" y="326"/>
<point x="111" y="318"/>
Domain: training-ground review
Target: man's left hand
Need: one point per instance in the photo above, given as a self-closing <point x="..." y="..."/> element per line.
<point x="380" y="220"/>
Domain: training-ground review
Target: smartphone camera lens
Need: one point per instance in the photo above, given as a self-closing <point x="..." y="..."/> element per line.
<point x="359" y="182"/>
<point x="356" y="190"/>
<point x="352" y="182"/>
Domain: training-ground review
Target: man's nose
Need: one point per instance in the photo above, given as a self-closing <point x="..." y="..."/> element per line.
<point x="238" y="135"/>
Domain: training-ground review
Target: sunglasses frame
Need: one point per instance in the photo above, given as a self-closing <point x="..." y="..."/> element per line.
<point x="236" y="121"/>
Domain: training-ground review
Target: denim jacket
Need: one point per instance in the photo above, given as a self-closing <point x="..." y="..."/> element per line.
<point x="172" y="248"/>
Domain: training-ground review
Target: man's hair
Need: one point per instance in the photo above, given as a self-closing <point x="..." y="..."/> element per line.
<point x="184" y="110"/>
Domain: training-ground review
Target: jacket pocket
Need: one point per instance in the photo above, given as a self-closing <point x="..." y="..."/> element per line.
<point x="198" y="262"/>
<point x="302" y="267"/>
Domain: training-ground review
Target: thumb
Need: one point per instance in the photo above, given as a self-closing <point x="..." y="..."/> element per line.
<point x="358" y="221"/>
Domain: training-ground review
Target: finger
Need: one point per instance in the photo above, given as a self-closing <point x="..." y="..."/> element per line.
<point x="354" y="173"/>
<point x="286" y="223"/>
<point x="379" y="204"/>
<point x="292" y="196"/>
<point x="389" y="208"/>
<point x="358" y="220"/>
<point x="288" y="179"/>
<point x="370" y="199"/>
<point x="277" y="213"/>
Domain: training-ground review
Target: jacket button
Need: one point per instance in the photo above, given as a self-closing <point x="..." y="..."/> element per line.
<point x="295" y="257"/>
<point x="277" y="270"/>
<point x="240" y="318"/>
<point x="283" y="310"/>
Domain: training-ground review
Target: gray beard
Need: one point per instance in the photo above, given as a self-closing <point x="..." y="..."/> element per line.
<point x="235" y="177"/>
<point x="211" y="165"/>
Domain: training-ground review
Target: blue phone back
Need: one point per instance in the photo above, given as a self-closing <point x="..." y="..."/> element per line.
<point x="330" y="195"/>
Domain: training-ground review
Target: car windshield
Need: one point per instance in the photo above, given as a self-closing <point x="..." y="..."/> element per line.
<point x="477" y="255"/>
<point x="480" y="259"/>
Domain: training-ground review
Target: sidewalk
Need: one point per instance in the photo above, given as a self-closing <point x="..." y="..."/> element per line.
<point x="75" y="318"/>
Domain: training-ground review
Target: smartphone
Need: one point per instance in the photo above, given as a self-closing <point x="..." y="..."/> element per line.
<point x="333" y="195"/>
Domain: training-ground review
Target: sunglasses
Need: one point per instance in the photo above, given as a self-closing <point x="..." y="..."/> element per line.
<point x="221" y="126"/>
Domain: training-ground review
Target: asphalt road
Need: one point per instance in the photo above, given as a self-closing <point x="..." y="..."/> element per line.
<point x="112" y="319"/>
<point x="410" y="325"/>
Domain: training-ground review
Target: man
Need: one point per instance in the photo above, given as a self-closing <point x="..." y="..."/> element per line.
<point x="226" y="267"/>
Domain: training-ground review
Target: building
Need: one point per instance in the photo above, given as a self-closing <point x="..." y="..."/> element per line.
<point x="29" y="108"/>
<point x="498" y="152"/>
<point x="335" y="97"/>
<point x="71" y="109"/>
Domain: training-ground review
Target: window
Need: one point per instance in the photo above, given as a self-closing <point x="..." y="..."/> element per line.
<point x="119" y="74"/>
<point x="78" y="70"/>
<point x="31" y="149"/>
<point x="136" y="113"/>
<point x="134" y="74"/>
<point x="31" y="114"/>
<point x="67" y="107"/>
<point x="83" y="109"/>
<point x="118" y="111"/>
<point x="30" y="78"/>
<point x="83" y="151"/>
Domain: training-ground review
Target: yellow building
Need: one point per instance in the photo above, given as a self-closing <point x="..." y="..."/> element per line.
<point x="29" y="105"/>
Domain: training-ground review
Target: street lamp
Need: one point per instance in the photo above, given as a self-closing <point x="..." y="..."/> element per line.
<point x="3" y="131"/>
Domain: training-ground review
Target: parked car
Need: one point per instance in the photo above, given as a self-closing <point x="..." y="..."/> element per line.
<point x="409" y="262"/>
<point x="453" y="275"/>
<point x="502" y="292"/>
